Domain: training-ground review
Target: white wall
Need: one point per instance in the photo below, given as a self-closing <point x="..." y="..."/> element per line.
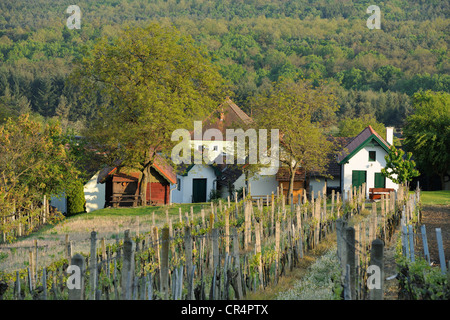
<point x="94" y="193"/>
<point x="197" y="172"/>
<point x="263" y="185"/>
<point x="260" y="185"/>
<point x="360" y="161"/>
<point x="222" y="147"/>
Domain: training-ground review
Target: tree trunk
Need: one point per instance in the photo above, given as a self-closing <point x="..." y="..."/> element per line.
<point x="442" y="176"/>
<point x="292" y="171"/>
<point x="144" y="179"/>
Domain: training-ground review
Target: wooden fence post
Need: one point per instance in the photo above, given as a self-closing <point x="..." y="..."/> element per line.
<point x="258" y="252"/>
<point x="32" y="267"/>
<point x="93" y="265"/>
<point x="340" y="227"/>
<point x="188" y="257"/>
<point x="129" y="248"/>
<point x="215" y="247"/>
<point x="237" y="266"/>
<point x="350" y="252"/>
<point x="277" y="248"/>
<point x="17" y="287"/>
<point x="227" y="231"/>
<point x="376" y="291"/>
<point x="44" y="283"/>
<point x="165" y="263"/>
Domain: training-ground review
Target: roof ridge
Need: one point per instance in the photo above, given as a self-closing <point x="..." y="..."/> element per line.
<point x="239" y="112"/>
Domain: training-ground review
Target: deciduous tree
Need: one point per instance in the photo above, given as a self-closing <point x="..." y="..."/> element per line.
<point x="301" y="112"/>
<point x="427" y="132"/>
<point x="153" y="80"/>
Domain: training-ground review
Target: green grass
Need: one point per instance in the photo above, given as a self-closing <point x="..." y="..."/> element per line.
<point x="144" y="211"/>
<point x="441" y="197"/>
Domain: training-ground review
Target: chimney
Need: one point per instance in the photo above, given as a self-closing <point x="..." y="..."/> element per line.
<point x="390" y="135"/>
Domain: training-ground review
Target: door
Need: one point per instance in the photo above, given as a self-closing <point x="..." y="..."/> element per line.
<point x="199" y="190"/>
<point x="358" y="178"/>
<point x="380" y="181"/>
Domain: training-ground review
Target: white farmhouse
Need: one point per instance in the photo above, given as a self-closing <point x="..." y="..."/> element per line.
<point x="362" y="159"/>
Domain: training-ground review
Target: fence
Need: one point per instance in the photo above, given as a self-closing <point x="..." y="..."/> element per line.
<point x="23" y="221"/>
<point x="239" y="247"/>
<point x="419" y="277"/>
<point x="224" y="253"/>
<point x="361" y="247"/>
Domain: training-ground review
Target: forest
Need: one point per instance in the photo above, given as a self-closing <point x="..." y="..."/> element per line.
<point x="254" y="43"/>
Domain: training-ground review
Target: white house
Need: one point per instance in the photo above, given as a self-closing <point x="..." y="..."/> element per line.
<point x="362" y="159"/>
<point x="94" y="193"/>
<point x="195" y="183"/>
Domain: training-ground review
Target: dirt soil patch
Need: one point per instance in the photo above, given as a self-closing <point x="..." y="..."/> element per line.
<point x="433" y="216"/>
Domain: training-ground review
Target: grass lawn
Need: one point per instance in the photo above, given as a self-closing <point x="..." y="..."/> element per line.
<point x="109" y="223"/>
<point x="441" y="197"/>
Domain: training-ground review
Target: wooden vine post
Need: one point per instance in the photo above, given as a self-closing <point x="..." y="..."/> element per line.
<point x="165" y="263"/>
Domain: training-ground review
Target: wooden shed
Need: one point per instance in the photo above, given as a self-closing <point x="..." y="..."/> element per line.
<point x="122" y="187"/>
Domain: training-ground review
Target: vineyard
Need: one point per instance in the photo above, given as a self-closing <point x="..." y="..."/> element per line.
<point x="227" y="251"/>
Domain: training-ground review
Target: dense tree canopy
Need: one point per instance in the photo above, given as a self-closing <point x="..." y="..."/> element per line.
<point x="252" y="42"/>
<point x="427" y="134"/>
<point x="152" y="81"/>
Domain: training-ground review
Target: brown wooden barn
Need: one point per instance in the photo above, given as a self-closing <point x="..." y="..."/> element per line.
<point x="122" y="187"/>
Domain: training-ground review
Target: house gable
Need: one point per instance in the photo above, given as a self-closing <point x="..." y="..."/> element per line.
<point x="368" y="137"/>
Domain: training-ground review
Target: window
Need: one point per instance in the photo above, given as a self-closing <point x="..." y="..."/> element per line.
<point x="178" y="184"/>
<point x="372" y="156"/>
<point x="215" y="148"/>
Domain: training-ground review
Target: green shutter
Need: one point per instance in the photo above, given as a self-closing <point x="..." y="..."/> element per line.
<point x="358" y="178"/>
<point x="380" y="181"/>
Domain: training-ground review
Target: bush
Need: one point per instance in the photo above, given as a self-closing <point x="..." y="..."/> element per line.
<point x="76" y="203"/>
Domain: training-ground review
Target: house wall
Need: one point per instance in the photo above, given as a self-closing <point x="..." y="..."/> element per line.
<point x="94" y="193"/>
<point x="260" y="185"/>
<point x="222" y="147"/>
<point x="184" y="195"/>
<point x="318" y="184"/>
<point x="360" y="161"/>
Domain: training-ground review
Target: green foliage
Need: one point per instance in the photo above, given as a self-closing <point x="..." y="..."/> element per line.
<point x="300" y="111"/>
<point x="34" y="163"/>
<point x="252" y="44"/>
<point x="399" y="167"/>
<point x="420" y="281"/>
<point x="351" y="127"/>
<point x="153" y="80"/>
<point x="427" y="133"/>
<point x="76" y="203"/>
